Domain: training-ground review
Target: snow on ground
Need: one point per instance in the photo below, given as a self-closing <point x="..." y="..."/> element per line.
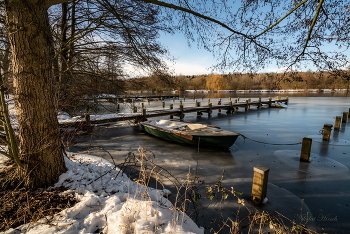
<point x="110" y="203"/>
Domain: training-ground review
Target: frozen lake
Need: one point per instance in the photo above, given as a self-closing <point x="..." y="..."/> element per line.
<point x="315" y="193"/>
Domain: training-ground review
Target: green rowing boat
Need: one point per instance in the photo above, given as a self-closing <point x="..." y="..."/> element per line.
<point x="190" y="133"/>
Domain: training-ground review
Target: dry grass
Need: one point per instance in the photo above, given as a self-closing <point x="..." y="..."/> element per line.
<point x="23" y="206"/>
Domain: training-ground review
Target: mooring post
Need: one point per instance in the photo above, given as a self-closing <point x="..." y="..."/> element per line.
<point x="259" y="187"/>
<point x="171" y="107"/>
<point x="327" y="128"/>
<point x="163" y="104"/>
<point x="305" y="150"/>
<point x="345" y="117"/>
<point x="259" y="102"/>
<point x="270" y="101"/>
<point x="337" y="122"/>
<point x="247" y="107"/>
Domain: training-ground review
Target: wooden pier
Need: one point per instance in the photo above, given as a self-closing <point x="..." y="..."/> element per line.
<point x="230" y="107"/>
<point x="132" y="98"/>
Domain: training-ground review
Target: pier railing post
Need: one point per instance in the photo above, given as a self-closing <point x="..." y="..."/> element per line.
<point x="247" y="107"/>
<point x="171" y="107"/>
<point x="182" y="112"/>
<point x="88" y="126"/>
<point x="259" y="187"/>
<point x="345" y="117"/>
<point x="209" y="109"/>
<point x="327" y="128"/>
<point x="337" y="122"/>
<point x="305" y="150"/>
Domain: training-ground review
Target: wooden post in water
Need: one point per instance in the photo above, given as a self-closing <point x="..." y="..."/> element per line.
<point x="171" y="107"/>
<point x="270" y="101"/>
<point x="259" y="187"/>
<point x="327" y="128"/>
<point x="163" y="104"/>
<point x="345" y="117"/>
<point x="259" y="103"/>
<point x="305" y="150"/>
<point x="337" y="122"/>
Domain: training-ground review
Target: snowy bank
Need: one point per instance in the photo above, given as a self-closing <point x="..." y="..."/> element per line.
<point x="109" y="202"/>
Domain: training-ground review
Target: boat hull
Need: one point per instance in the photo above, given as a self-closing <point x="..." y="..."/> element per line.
<point x="212" y="141"/>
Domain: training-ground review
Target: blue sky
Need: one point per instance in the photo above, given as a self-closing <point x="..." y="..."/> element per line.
<point x="191" y="60"/>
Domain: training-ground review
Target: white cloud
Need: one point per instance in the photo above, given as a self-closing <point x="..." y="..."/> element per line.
<point x="186" y="68"/>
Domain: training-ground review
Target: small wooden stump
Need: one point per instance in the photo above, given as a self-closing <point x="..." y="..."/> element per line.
<point x="345" y="117"/>
<point x="327" y="128"/>
<point x="305" y="150"/>
<point x="337" y="122"/>
<point x="259" y="187"/>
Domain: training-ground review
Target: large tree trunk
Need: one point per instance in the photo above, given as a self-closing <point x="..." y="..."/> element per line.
<point x="39" y="140"/>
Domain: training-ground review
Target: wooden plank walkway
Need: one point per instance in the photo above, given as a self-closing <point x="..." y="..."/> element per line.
<point x="229" y="107"/>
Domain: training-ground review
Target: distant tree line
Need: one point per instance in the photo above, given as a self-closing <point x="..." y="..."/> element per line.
<point x="339" y="79"/>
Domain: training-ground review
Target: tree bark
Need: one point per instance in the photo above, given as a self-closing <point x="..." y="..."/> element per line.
<point x="39" y="138"/>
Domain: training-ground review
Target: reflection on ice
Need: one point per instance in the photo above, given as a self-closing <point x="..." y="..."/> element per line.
<point x="318" y="165"/>
<point x="332" y="141"/>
